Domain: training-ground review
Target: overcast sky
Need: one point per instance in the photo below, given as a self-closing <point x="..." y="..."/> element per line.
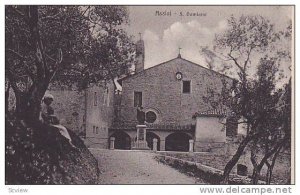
<point x="164" y="34"/>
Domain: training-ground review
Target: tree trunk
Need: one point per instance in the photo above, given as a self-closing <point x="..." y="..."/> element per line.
<point x="7" y="98"/>
<point x="37" y="91"/>
<point x="271" y="166"/>
<point x="229" y="166"/>
<point x="255" y="175"/>
<point x="6" y="102"/>
<point x="256" y="167"/>
<point x="21" y="104"/>
<point x="28" y="104"/>
<point x="256" y="172"/>
<point x="269" y="173"/>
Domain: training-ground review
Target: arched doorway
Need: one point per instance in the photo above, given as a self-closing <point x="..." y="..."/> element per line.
<point x="122" y="140"/>
<point x="178" y="142"/>
<point x="149" y="138"/>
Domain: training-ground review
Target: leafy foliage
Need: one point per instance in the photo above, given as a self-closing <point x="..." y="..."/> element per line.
<point x="254" y="98"/>
<point x="61" y="45"/>
<point x="64" y="45"/>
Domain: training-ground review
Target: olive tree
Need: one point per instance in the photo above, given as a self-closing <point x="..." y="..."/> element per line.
<point x="250" y="43"/>
<point x="65" y="44"/>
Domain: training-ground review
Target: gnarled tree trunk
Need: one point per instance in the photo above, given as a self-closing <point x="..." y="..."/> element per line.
<point x="7" y="97"/>
<point x="271" y="166"/>
<point x="28" y="103"/>
<point x="229" y="166"/>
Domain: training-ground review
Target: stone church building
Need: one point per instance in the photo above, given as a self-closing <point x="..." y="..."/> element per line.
<point x="171" y="94"/>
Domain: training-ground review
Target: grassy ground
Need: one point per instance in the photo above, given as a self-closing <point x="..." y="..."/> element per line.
<point x="281" y="173"/>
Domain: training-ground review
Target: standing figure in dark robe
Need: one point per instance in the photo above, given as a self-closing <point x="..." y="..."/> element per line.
<point x="140" y="115"/>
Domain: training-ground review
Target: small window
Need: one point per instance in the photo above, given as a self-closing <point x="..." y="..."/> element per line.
<point x="151" y="117"/>
<point x="104" y="97"/>
<point x="107" y="98"/>
<point x="186" y="86"/>
<point x="95" y="99"/>
<point x="137" y="99"/>
<point x="97" y="130"/>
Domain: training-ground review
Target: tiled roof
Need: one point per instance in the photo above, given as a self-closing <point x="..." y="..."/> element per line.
<point x="211" y="113"/>
<point x="179" y="127"/>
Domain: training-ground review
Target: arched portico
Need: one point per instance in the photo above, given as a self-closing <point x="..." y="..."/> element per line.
<point x="177" y="142"/>
<point x="122" y="140"/>
<point x="149" y="138"/>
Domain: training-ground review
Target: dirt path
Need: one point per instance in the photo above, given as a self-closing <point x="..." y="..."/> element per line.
<point x="137" y="167"/>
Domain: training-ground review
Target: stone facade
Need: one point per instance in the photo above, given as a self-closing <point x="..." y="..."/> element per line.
<point x="162" y="92"/>
<point x="70" y="109"/>
<point x="89" y="113"/>
<point x="210" y="133"/>
<point x="99" y="114"/>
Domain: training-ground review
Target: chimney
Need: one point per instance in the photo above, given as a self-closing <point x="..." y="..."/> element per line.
<point x="140" y="55"/>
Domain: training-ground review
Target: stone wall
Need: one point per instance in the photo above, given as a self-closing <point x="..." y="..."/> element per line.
<point x="207" y="173"/>
<point x="99" y="114"/>
<point x="162" y="92"/>
<point x="70" y="108"/>
<point x="210" y="133"/>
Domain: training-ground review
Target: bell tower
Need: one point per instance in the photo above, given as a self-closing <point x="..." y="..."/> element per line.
<point x="140" y="55"/>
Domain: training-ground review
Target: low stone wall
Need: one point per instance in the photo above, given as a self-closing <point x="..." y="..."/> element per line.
<point x="215" y="147"/>
<point x="209" y="174"/>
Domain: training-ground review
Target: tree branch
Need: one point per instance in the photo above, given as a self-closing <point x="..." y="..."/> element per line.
<point x="248" y="58"/>
<point x="27" y="69"/>
<point x="279" y="145"/>
<point x="52" y="59"/>
<point x="42" y="69"/>
<point x="85" y="10"/>
<point x="18" y="12"/>
<point x="12" y="80"/>
<point x="236" y="62"/>
<point x="15" y="53"/>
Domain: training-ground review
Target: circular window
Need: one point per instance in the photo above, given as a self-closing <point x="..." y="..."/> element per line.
<point x="150" y="117"/>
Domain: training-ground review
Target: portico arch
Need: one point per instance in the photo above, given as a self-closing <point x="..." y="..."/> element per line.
<point x="122" y="140"/>
<point x="149" y="138"/>
<point x="178" y="142"/>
